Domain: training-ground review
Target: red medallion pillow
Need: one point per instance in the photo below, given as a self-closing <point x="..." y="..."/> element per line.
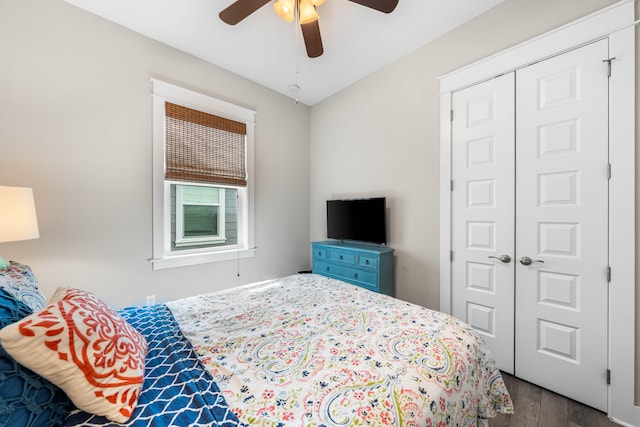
<point x="84" y="347"/>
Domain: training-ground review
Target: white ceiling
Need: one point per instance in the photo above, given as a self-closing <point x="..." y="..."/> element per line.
<point x="269" y="51"/>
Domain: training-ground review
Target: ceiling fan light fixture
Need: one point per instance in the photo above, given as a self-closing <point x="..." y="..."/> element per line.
<point x="285" y="9"/>
<point x="303" y="10"/>
<point x="307" y="12"/>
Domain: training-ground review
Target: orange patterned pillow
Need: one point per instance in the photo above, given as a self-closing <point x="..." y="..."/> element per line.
<point x="84" y="347"/>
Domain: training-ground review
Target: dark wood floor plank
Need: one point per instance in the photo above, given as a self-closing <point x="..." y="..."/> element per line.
<point x="538" y="407"/>
<point x="576" y="413"/>
<point x="527" y="407"/>
<point x="553" y="409"/>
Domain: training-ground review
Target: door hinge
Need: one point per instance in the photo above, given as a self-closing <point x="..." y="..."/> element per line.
<point x="609" y="171"/>
<point x="451" y="186"/>
<point x="608" y="376"/>
<point x="450" y="255"/>
<point x="608" y="274"/>
<point x="451" y="115"/>
<point x="609" y="61"/>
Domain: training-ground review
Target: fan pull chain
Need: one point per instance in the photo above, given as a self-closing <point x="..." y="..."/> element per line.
<point x="296" y="86"/>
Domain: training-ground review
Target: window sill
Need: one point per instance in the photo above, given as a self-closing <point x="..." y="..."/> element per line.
<point x="194" y="242"/>
<point x="184" y="260"/>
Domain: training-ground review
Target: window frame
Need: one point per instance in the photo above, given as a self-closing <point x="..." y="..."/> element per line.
<point x="185" y="242"/>
<point x="163" y="256"/>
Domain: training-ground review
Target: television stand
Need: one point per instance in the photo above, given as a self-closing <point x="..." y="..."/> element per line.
<point x="369" y="266"/>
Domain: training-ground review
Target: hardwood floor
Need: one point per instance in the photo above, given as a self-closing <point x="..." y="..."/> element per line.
<point x="537" y="407"/>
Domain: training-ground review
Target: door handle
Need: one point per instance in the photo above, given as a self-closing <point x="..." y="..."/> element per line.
<point x="502" y="258"/>
<point x="525" y="260"/>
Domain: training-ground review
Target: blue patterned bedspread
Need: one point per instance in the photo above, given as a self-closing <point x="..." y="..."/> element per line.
<point x="178" y="390"/>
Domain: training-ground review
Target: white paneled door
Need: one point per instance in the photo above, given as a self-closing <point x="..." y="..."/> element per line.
<point x="483" y="213"/>
<point x="530" y="182"/>
<point x="561" y="213"/>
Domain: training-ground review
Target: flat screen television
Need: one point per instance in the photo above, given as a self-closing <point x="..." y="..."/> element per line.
<point x="362" y="220"/>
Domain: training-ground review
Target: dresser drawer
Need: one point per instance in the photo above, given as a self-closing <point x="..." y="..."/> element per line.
<point x="343" y="257"/>
<point x="320" y="253"/>
<point x="370" y="261"/>
<point x="366" y="279"/>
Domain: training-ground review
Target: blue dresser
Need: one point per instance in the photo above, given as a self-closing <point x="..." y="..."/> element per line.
<point x="367" y="266"/>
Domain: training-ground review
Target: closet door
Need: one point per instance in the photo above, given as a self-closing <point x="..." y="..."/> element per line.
<point x="483" y="213"/>
<point x="561" y="224"/>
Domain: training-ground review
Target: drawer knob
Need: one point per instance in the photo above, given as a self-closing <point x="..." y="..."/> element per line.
<point x="328" y="268"/>
<point x="340" y="256"/>
<point x="366" y="262"/>
<point x="355" y="275"/>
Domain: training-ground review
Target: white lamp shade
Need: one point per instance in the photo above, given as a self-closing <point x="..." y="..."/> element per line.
<point x="18" y="219"/>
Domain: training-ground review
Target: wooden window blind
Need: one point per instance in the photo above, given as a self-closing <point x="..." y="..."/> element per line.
<point x="202" y="147"/>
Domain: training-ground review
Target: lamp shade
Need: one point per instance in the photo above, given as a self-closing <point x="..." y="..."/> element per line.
<point x="18" y="219"/>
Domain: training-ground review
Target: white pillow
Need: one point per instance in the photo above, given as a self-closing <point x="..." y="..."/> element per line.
<point x="84" y="347"/>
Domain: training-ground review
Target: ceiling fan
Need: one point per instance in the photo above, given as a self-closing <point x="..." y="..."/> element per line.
<point x="306" y="13"/>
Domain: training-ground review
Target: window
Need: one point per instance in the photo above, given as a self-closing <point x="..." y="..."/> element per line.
<point x="202" y="178"/>
<point x="200" y="215"/>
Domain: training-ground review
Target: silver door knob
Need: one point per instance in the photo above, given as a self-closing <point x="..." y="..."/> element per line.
<point x="525" y="260"/>
<point x="503" y="258"/>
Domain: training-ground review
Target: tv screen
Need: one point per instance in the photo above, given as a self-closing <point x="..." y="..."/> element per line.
<point x="357" y="219"/>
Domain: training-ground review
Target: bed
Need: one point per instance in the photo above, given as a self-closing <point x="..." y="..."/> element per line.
<point x="307" y="350"/>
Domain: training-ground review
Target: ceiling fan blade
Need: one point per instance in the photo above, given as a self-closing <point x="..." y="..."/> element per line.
<point x="312" y="39"/>
<point x="240" y="9"/>
<point x="385" y="6"/>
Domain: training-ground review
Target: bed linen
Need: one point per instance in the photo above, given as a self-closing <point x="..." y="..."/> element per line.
<point x="177" y="390"/>
<point x="308" y="350"/>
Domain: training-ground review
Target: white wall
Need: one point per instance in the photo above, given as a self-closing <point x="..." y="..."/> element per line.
<point x="75" y="124"/>
<point x="381" y="135"/>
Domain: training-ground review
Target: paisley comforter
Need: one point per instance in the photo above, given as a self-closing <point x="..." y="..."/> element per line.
<point x="307" y="350"/>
